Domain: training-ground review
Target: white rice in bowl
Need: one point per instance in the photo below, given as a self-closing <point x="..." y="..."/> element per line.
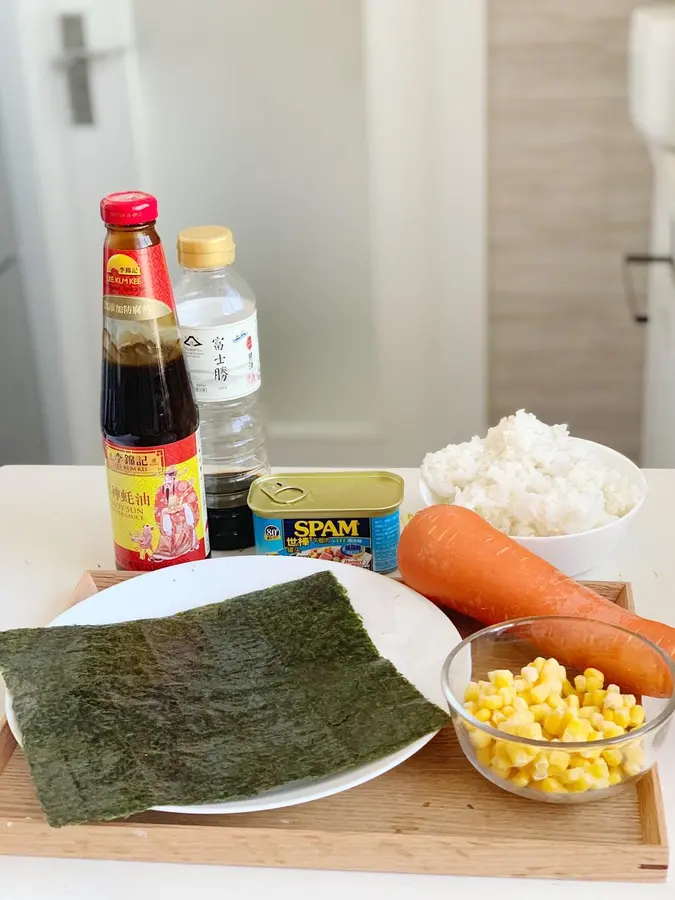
<point x="529" y="479"/>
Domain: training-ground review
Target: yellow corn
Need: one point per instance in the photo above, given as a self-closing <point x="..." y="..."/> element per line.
<point x="471" y="692"/>
<point x="540" y="711"/>
<point x="540" y="692"/>
<point x="612" y="756"/>
<point x="530" y="674"/>
<point x="622" y="717"/>
<point x="520" y="779"/>
<point x="480" y="739"/>
<point x="508" y="694"/>
<point x="501" y="678"/>
<point x="594" y="673"/>
<point x="551" y="786"/>
<point x="484" y="755"/>
<point x="541" y="703"/>
<point x="553" y="723"/>
<point x="637" y="715"/>
<point x="612" y="701"/>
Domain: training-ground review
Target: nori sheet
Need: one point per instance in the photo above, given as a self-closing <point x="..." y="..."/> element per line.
<point x="217" y="703"/>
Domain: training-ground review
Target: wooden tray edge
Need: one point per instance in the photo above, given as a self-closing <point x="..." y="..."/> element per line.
<point x="407" y="853"/>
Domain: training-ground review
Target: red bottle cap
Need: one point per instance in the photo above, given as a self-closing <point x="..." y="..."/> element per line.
<point x="128" y="208"/>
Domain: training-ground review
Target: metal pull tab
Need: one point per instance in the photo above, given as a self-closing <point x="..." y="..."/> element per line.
<point x="283" y="494"/>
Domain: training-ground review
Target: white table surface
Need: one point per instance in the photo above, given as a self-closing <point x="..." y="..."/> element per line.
<point x="54" y="524"/>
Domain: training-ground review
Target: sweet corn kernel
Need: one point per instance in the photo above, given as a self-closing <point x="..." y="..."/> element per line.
<point x="634" y="753"/>
<point x="524" y="717"/>
<point x="587" y="711"/>
<point x="508" y="694"/>
<point x="520" y="685"/>
<point x="594" y="673"/>
<point x="613" y="689"/>
<point x="637" y="715"/>
<point x="596" y="720"/>
<point x="559" y="758"/>
<point x="539" y="663"/>
<point x="609" y="715"/>
<point x="486" y="687"/>
<point x="587" y="699"/>
<point x="532" y="731"/>
<point x="480" y="739"/>
<point x="577" y="730"/>
<point x="599" y="769"/>
<point x="483" y="715"/>
<point x="520" y="755"/>
<point x="520" y="779"/>
<point x="508" y="727"/>
<point x="593" y="684"/>
<point x="492" y="701"/>
<point x="611" y="729"/>
<point x="580" y="684"/>
<point x="498" y="716"/>
<point x="631" y="769"/>
<point x="501" y="677"/>
<point x="471" y="692"/>
<point x="520" y="704"/>
<point x="500" y="760"/>
<point x="629" y="700"/>
<point x="553" y="723"/>
<point x="470" y="706"/>
<point x="508" y="711"/>
<point x="572" y="702"/>
<point x="530" y="674"/>
<point x="551" y="786"/>
<point x="622" y="717"/>
<point x="612" y="756"/>
<point x="540" y="692"/>
<point x="540" y="711"/>
<point x="484" y="755"/>
<point x="615" y="776"/>
<point x="540" y="767"/>
<point x="575" y="773"/>
<point x="599" y="698"/>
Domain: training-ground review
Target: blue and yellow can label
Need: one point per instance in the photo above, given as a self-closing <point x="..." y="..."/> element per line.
<point x="369" y="543"/>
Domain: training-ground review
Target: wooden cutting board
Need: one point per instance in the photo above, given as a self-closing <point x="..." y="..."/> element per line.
<point x="433" y="814"/>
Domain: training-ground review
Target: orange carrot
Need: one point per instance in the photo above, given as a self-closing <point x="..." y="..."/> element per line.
<point x="456" y="558"/>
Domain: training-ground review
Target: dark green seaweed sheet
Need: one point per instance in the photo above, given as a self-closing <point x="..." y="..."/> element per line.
<point x="214" y="704"/>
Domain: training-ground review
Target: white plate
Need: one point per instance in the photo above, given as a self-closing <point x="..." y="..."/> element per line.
<point x="405" y="627"/>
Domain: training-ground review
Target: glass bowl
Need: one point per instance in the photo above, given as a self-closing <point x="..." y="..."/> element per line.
<point x="575" y="644"/>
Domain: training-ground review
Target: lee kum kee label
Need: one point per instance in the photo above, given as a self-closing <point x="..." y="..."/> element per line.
<point x="157" y="504"/>
<point x="136" y="284"/>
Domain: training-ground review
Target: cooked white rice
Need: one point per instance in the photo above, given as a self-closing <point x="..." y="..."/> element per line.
<point x="528" y="479"/>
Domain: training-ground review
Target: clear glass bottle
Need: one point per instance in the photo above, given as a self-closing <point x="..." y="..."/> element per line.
<point x="218" y="321"/>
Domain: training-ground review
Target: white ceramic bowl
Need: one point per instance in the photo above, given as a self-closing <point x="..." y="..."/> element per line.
<point x="574" y="554"/>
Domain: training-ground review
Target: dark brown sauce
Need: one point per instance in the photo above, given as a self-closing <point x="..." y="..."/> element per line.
<point x="146" y="398"/>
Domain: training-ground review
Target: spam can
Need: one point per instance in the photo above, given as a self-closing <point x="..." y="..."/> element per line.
<point x="348" y="517"/>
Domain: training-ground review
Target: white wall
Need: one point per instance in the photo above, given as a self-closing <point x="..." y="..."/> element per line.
<point x="261" y="106"/>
